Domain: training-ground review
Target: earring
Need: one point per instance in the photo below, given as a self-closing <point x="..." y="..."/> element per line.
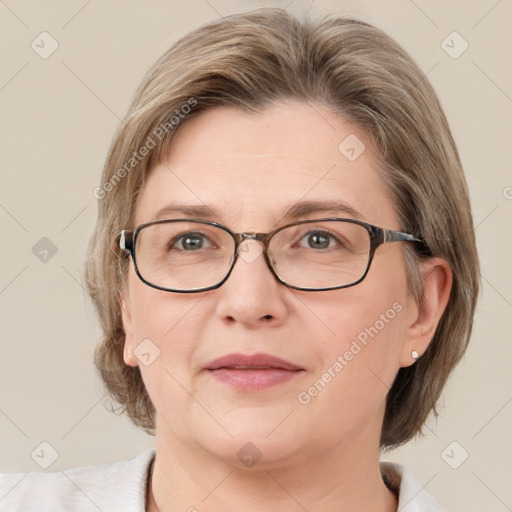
<point x="415" y="355"/>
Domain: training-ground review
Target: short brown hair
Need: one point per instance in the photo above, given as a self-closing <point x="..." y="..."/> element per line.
<point x="250" y="61"/>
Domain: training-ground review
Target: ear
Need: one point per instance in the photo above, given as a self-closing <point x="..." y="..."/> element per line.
<point x="129" y="346"/>
<point x="424" y="316"/>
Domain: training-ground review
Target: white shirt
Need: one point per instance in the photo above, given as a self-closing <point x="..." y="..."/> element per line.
<point x="121" y="487"/>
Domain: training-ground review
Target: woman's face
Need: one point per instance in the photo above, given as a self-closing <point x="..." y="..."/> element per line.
<point x="347" y="344"/>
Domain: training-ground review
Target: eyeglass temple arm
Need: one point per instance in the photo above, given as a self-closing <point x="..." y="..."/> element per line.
<point x="388" y="235"/>
<point x="397" y="236"/>
<point x="125" y="239"/>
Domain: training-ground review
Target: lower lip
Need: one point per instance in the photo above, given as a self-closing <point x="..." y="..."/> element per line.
<point x="254" y="380"/>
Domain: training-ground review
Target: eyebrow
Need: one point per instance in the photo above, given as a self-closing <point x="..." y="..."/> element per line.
<point x="321" y="207"/>
<point x="293" y="212"/>
<point x="193" y="211"/>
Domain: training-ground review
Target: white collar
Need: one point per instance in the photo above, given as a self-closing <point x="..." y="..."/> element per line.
<point x="121" y="487"/>
<point x="412" y="496"/>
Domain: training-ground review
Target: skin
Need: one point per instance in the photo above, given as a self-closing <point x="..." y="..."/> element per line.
<point x="323" y="456"/>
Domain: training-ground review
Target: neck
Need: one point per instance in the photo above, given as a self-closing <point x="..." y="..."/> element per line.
<point x="347" y="478"/>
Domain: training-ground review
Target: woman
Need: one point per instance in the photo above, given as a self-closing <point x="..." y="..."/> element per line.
<point x="285" y="271"/>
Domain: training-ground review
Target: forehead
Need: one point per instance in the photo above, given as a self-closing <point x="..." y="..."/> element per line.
<point x="250" y="168"/>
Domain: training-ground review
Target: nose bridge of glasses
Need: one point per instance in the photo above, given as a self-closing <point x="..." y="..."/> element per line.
<point x="250" y="252"/>
<point x="258" y="237"/>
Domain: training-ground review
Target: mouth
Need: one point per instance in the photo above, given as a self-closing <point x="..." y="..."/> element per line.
<point x="252" y="372"/>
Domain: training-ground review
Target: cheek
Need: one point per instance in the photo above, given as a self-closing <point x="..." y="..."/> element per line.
<point x="165" y="338"/>
<point x="165" y="328"/>
<point x="368" y="338"/>
<point x="357" y="368"/>
<point x="157" y="314"/>
<point x="373" y="309"/>
<point x="367" y="329"/>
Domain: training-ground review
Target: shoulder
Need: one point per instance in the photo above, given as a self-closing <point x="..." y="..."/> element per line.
<point x="412" y="496"/>
<point x="114" y="487"/>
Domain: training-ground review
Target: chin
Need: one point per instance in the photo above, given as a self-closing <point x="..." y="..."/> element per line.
<point x="256" y="453"/>
<point x="258" y="442"/>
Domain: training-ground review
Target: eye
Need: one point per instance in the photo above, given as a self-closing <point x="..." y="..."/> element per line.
<point x="191" y="241"/>
<point x="318" y="239"/>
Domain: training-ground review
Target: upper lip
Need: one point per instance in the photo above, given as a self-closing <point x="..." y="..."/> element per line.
<point x="243" y="361"/>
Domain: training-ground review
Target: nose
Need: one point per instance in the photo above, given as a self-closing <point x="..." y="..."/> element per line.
<point x="252" y="295"/>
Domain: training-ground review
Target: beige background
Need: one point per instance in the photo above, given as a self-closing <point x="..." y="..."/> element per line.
<point x="58" y="116"/>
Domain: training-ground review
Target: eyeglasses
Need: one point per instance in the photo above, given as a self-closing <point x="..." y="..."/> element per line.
<point x="189" y="255"/>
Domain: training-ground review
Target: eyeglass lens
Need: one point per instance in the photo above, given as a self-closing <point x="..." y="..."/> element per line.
<point x="189" y="255"/>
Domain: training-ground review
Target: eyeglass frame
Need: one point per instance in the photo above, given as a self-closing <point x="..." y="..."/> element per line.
<point x="127" y="240"/>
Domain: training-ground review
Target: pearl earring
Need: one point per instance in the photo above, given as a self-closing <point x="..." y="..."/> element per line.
<point x="415" y="355"/>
